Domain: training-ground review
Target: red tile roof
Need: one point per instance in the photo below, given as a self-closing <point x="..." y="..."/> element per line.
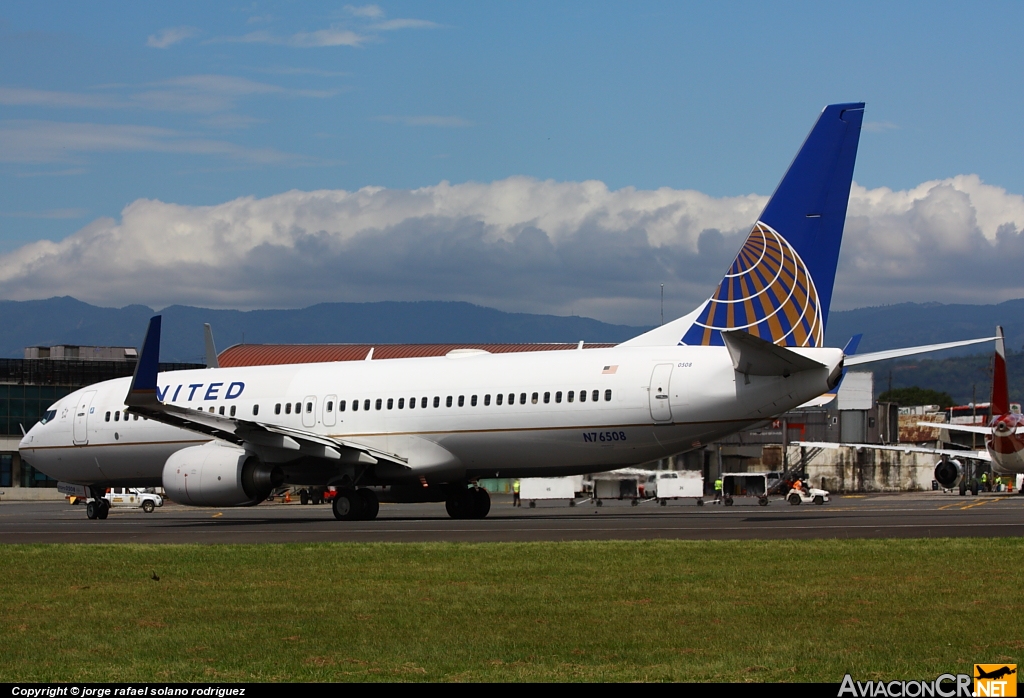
<point x="267" y="354"/>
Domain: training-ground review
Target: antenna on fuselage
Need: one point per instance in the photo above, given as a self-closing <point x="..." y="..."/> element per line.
<point x="211" y="350"/>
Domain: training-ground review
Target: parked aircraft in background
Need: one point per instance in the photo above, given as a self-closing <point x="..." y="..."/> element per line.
<point x="1004" y="445"/>
<point x="426" y="429"/>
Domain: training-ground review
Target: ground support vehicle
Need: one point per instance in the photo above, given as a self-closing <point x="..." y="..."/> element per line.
<point x="625" y="483"/>
<point x="744" y="485"/>
<point x="807" y="496"/>
<point x="313" y="495"/>
<point x="133" y="498"/>
<point x="532" y="489"/>
<point x="670" y="484"/>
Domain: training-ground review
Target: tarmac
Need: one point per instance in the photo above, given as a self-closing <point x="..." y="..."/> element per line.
<point x="908" y="515"/>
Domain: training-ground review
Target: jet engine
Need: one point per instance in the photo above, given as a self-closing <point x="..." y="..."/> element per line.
<point x="219" y="475"/>
<point x="948" y="472"/>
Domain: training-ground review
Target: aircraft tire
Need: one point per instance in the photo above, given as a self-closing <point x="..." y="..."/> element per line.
<point x="451" y="505"/>
<point x="481" y="503"/>
<point x="370" y="504"/>
<point x="91" y="509"/>
<point x="304" y="497"/>
<point x="347" y="506"/>
<point x="104" y="509"/>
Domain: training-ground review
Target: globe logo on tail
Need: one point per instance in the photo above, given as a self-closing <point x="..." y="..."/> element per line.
<point x="768" y="292"/>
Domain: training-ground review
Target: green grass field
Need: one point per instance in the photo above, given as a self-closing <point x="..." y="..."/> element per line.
<point x="600" y="611"/>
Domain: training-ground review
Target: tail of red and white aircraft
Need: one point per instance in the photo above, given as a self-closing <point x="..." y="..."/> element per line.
<point x="1000" y="383"/>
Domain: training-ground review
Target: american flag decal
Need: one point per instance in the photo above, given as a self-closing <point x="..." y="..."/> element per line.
<point x="610" y="369"/>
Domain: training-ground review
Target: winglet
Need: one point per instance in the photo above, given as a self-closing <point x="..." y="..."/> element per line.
<point x="211" y="349"/>
<point x="143" y="390"/>
<point x="851" y="347"/>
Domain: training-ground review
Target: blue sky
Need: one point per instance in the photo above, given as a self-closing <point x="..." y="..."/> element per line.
<point x="199" y="104"/>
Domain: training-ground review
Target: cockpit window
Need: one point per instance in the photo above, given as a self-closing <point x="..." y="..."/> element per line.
<point x="49" y="416"/>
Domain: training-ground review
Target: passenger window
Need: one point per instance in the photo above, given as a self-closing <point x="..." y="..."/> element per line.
<point x="117" y="416"/>
<point x="487" y="400"/>
<point x="232" y="410"/>
<point x="448" y="401"/>
<point x="211" y="409"/>
<point x="106" y="417"/>
<point x="547" y="398"/>
<point x="423" y="403"/>
<point x="366" y="405"/>
<point x="412" y="403"/>
<point x="288" y="408"/>
<point x="355" y="405"/>
<point x="135" y="417"/>
<point x="255" y="410"/>
<point x="558" y="396"/>
<point x="595" y="395"/>
<point x="391" y="402"/>
<point x="497" y="399"/>
<point x="462" y="400"/>
<point x="472" y="401"/>
<point x="378" y="404"/>
<point x="330" y="405"/>
<point x="222" y="410"/>
<point x="511" y="398"/>
<point x="341" y="405"/>
<point x="583" y="396"/>
<point x="277" y="408"/>
<point x="533" y="399"/>
<point x="522" y="398"/>
<point x="401" y="403"/>
<point x="608" y="396"/>
<point x="568" y="396"/>
<point x="298" y="407"/>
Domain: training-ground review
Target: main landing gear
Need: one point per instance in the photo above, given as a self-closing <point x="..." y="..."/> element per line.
<point x="97" y="507"/>
<point x="470" y="503"/>
<point x="356" y="505"/>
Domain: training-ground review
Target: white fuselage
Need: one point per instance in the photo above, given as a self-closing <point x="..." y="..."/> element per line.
<point x="642" y="403"/>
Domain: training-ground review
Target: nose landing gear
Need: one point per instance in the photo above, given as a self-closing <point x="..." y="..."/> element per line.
<point x="468" y="503"/>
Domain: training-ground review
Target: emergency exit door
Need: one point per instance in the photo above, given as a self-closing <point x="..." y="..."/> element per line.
<point x="661" y="411"/>
<point x="82" y="409"/>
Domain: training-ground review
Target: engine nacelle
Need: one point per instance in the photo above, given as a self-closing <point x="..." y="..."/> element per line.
<point x="218" y="475"/>
<point x="948" y="472"/>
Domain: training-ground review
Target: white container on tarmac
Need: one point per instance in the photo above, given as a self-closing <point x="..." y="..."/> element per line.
<point x="676" y="484"/>
<point x="537" y="488"/>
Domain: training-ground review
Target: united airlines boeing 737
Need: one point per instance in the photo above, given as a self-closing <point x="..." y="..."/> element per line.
<point x="426" y="429"/>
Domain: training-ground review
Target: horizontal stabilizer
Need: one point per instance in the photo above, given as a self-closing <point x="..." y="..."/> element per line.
<point x="966" y="428"/>
<point x="904" y="448"/>
<point x="754" y="356"/>
<point x="910" y="351"/>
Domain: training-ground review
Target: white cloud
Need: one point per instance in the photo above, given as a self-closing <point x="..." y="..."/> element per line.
<point x="26" y="97"/>
<point x="369" y="11"/>
<point x="426" y="120"/>
<point x="393" y="24"/>
<point x="170" y="36"/>
<point x="517" y="244"/>
<point x="27" y="141"/>
<point x="333" y="36"/>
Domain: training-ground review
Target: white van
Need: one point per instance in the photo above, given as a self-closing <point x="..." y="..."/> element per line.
<point x="132" y="498"/>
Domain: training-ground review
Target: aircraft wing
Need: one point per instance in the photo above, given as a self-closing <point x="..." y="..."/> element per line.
<point x="970" y="429"/>
<point x="905" y="448"/>
<point x="910" y="351"/>
<point x="142" y="400"/>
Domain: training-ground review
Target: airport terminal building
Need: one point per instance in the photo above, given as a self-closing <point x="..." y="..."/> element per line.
<point x="28" y="386"/>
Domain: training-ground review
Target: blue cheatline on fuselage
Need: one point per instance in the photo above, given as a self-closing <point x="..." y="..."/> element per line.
<point x="779" y="288"/>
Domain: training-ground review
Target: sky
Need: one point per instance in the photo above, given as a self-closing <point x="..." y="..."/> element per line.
<point x="564" y="158"/>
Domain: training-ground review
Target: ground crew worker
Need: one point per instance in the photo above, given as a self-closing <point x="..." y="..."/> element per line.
<point x="515" y="494"/>
<point x="984" y="482"/>
<point x="718" y="490"/>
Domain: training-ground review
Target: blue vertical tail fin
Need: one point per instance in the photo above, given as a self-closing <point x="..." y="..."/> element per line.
<point x="780" y="286"/>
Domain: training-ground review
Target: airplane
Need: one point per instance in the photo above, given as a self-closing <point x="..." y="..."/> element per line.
<point x="996" y="673"/>
<point x="1004" y="446"/>
<point x="427" y="429"/>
